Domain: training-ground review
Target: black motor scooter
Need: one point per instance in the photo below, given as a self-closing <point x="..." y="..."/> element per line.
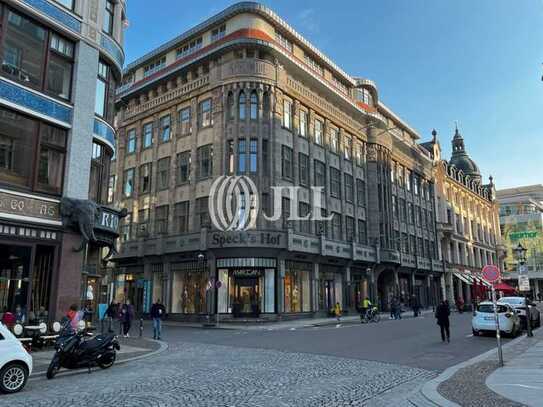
<point x="73" y="351"/>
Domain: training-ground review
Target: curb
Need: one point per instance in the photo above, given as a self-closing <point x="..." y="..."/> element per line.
<point x="163" y="346"/>
<point x="429" y="389"/>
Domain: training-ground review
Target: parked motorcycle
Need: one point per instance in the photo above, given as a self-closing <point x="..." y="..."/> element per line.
<point x="75" y="351"/>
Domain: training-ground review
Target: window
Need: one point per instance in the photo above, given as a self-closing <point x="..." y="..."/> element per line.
<point x="111" y="189"/>
<point x="205" y="161"/>
<point x="100" y="101"/>
<point x="320" y="176"/>
<point x="336" y="226"/>
<point x="230" y="156"/>
<point x="128" y="183"/>
<point x="266" y="103"/>
<point x="218" y="33"/>
<point x="283" y="41"/>
<point x="265" y="157"/>
<point x="285" y="209"/>
<point x="131" y="143"/>
<point x="408" y="179"/>
<point x="360" y="192"/>
<point x="340" y="85"/>
<point x="349" y="228"/>
<point x="164" y="173"/>
<point x="108" y="17"/>
<point x="254" y="106"/>
<point x="183" y="167"/>
<point x="147" y="135"/>
<point x="161" y="219"/>
<point x="204" y="111"/>
<point x="287" y="113"/>
<point x="364" y="96"/>
<point x="181" y="215"/>
<point x="360" y="155"/>
<point x="126" y="228"/>
<point x="347" y="147"/>
<point x="303" y="123"/>
<point x="314" y="65"/>
<point x="242" y="158"/>
<point x="242" y="105"/>
<point x="154" y="66"/>
<point x="60" y="64"/>
<point x="400" y="175"/>
<point x="419" y="216"/>
<point x="189" y="48"/>
<point x="334" y="140"/>
<point x="165" y="128"/>
<point x="69" y="4"/>
<point x="99" y="172"/>
<point x="410" y="213"/>
<point x="231" y="110"/>
<point x="362" y="234"/>
<point x="393" y="172"/>
<point x="318" y="132"/>
<point x="304" y="210"/>
<point x="185" y="121"/>
<point x="335" y="183"/>
<point x="403" y="210"/>
<point x="253" y="155"/>
<point x="287" y="162"/>
<point x="202" y="212"/>
<point x="145" y="178"/>
<point x="143" y="221"/>
<point x="21" y="138"/>
<point x="416" y="181"/>
<point x="394" y="207"/>
<point x="349" y="188"/>
<point x="303" y="160"/>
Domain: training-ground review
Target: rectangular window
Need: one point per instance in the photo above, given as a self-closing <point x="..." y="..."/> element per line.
<point x="408" y="179"/>
<point x="419" y="216"/>
<point x="349" y="228"/>
<point x="145" y="178"/>
<point x="69" y="4"/>
<point x="360" y="155"/>
<point x="303" y="165"/>
<point x="147" y="135"/>
<point x="286" y="153"/>
<point x="265" y="158"/>
<point x="334" y="140"/>
<point x="143" y="222"/>
<point x="59" y="68"/>
<point x="164" y="173"/>
<point x="305" y="225"/>
<point x="205" y="118"/>
<point x="218" y="33"/>
<point x="242" y="158"/>
<point x="336" y="226"/>
<point x="109" y="17"/>
<point x="283" y="41"/>
<point x="318" y="132"/>
<point x="165" y="128"/>
<point x="400" y="175"/>
<point x="393" y="172"/>
<point x="181" y="215"/>
<point x="335" y="183"/>
<point x="189" y="48"/>
<point x="314" y="65"/>
<point x="103" y="107"/>
<point x="320" y="174"/>
<point x="126" y="228"/>
<point x="161" y="219"/>
<point x="128" y="183"/>
<point x="360" y="192"/>
<point x="303" y="123"/>
<point x="349" y="188"/>
<point x="410" y="213"/>
<point x="131" y="143"/>
<point x="202" y="212"/>
<point x="230" y="156"/>
<point x="185" y="126"/>
<point x="285" y="209"/>
<point x="111" y="189"/>
<point x="253" y="155"/>
<point x="52" y="152"/>
<point x="403" y="210"/>
<point x="287" y="113"/>
<point x="183" y="167"/>
<point x="362" y="234"/>
<point x="205" y="161"/>
<point x="347" y="147"/>
<point x="394" y="207"/>
<point x="416" y="181"/>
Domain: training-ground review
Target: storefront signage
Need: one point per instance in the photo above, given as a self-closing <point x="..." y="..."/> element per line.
<point x="528" y="234"/>
<point x="229" y="239"/>
<point x="246" y="273"/>
<point x="108" y="220"/>
<point x="27" y="206"/>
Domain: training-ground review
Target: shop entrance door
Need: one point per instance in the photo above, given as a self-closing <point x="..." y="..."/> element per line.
<point x="246" y="297"/>
<point x="329" y="295"/>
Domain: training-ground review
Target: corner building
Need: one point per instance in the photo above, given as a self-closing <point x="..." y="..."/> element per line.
<point x="244" y="93"/>
<point x="61" y="61"/>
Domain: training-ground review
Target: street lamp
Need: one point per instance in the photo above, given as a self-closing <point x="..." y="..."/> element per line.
<point x="520" y="255"/>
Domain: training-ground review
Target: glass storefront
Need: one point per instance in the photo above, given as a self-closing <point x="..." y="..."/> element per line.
<point x="360" y="287"/>
<point x="131" y="286"/>
<point x="297" y="287"/>
<point x="189" y="288"/>
<point x="330" y="287"/>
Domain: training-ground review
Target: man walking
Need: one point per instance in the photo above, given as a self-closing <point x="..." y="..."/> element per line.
<point x="415" y="305"/>
<point x="158" y="311"/>
<point x="442" y="316"/>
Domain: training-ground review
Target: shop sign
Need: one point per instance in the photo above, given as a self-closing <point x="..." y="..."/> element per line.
<point x="27" y="206"/>
<point x="246" y="273"/>
<point x="108" y="220"/>
<point x="528" y="234"/>
<point x="229" y="239"/>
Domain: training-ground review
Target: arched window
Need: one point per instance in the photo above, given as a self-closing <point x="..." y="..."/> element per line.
<point x="266" y="103"/>
<point x="230" y="105"/>
<point x="254" y="105"/>
<point x="241" y="105"/>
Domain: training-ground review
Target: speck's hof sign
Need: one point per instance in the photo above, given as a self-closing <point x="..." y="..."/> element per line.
<point x="26" y="205"/>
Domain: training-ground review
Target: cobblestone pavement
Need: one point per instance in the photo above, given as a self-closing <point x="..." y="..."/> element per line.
<point x="192" y="374"/>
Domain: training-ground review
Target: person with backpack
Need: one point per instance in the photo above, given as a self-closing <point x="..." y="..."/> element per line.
<point x="158" y="311"/>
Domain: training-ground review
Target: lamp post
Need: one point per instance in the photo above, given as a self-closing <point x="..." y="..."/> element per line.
<point x="520" y="255"/>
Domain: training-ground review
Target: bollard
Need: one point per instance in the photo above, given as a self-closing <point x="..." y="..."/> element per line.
<point x="141" y="327"/>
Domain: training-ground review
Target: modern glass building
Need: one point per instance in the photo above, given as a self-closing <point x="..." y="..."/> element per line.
<point x="61" y="61"/>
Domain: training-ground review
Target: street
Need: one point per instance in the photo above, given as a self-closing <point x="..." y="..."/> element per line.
<point x="353" y="364"/>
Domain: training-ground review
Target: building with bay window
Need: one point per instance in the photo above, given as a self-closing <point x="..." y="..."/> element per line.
<point x="243" y="93"/>
<point x="60" y="63"/>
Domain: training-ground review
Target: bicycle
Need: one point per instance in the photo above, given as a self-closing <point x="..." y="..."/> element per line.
<point x="371" y="315"/>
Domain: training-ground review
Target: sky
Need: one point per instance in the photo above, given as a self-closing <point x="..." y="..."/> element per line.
<point x="435" y="62"/>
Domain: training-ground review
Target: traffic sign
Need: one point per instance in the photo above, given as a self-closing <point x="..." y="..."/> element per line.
<point x="491" y="273"/>
<point x="523" y="283"/>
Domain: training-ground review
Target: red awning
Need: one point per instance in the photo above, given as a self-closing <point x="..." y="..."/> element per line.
<point x="504" y="287"/>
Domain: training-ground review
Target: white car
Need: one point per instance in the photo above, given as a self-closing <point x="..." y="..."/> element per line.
<point x="519" y="304"/>
<point x="15" y="362"/>
<point x="484" y="321"/>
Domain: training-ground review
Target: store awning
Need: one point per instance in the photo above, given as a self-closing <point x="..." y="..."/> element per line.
<point x="504" y="287"/>
<point x="463" y="277"/>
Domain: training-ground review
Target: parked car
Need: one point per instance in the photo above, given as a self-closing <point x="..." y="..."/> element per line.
<point x="15" y="362"/>
<point x="519" y="304"/>
<point x="483" y="319"/>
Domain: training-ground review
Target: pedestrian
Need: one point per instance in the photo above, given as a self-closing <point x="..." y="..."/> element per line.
<point x="158" y="311"/>
<point x="415" y="305"/>
<point x="337" y="311"/>
<point x="111" y="314"/>
<point x="391" y="306"/>
<point x="126" y="316"/>
<point x="460" y="305"/>
<point x="397" y="308"/>
<point x="74" y="316"/>
<point x="442" y="316"/>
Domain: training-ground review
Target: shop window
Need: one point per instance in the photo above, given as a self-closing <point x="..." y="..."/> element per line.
<point x="183" y="167"/>
<point x="161" y="219"/>
<point x="205" y="161"/>
<point x="181" y="215"/>
<point x="146" y="173"/>
<point x="189" y="288"/>
<point x="296" y="289"/>
<point x="185" y="121"/>
<point x="205" y="118"/>
<point x="164" y="173"/>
